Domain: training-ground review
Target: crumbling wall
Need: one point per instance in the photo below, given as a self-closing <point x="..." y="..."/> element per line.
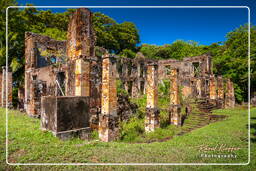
<point x="44" y="59"/>
<point x="132" y="73"/>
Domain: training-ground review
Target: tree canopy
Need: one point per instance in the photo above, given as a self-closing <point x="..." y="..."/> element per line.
<point x="230" y="57"/>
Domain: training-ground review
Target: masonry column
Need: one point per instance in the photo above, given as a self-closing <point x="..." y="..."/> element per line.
<point x="152" y="112"/>
<point x="175" y="107"/>
<point x="229" y="95"/>
<point x="108" y="120"/>
<point x="82" y="77"/>
<point x="6" y="95"/>
<point x="80" y="51"/>
<point x="213" y="93"/>
<point x="220" y="92"/>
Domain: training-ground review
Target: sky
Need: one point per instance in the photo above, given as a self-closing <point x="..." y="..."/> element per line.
<point x="165" y="25"/>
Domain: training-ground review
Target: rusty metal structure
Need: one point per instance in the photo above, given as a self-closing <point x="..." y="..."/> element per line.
<point x="66" y="72"/>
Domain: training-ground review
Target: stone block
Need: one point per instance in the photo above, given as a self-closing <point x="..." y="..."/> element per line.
<point x="65" y="116"/>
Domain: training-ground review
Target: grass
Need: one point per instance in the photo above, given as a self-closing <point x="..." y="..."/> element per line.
<point x="28" y="144"/>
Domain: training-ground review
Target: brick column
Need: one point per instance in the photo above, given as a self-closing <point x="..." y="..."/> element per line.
<point x="82" y="77"/>
<point x="213" y="93"/>
<point x="152" y="112"/>
<point x="199" y="87"/>
<point x="108" y="120"/>
<point x="220" y="92"/>
<point x="229" y="95"/>
<point x="6" y="95"/>
<point x="175" y="107"/>
<point x="80" y="37"/>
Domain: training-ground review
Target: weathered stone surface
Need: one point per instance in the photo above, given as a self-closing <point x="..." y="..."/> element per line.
<point x="82" y="77"/>
<point x="152" y="120"/>
<point x="213" y="93"/>
<point x="6" y="94"/>
<point x="229" y="95"/>
<point x="174" y="87"/>
<point x="175" y="108"/>
<point x="108" y="127"/>
<point x="175" y="115"/>
<point x="40" y="53"/>
<point x="152" y="88"/>
<point x="108" y="120"/>
<point x="152" y="112"/>
<point x="220" y="92"/>
<point x="64" y="115"/>
<point x="81" y="38"/>
<point x="21" y="97"/>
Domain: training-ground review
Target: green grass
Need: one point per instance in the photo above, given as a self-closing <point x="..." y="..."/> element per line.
<point x="28" y="144"/>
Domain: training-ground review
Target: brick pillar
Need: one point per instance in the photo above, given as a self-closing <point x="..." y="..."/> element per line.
<point x="152" y="112"/>
<point x="175" y="107"/>
<point x="229" y="95"/>
<point x="6" y="95"/>
<point x="199" y="87"/>
<point x="82" y="77"/>
<point x="213" y="93"/>
<point x="80" y="37"/>
<point x="30" y="55"/>
<point x="220" y="92"/>
<point x="108" y="120"/>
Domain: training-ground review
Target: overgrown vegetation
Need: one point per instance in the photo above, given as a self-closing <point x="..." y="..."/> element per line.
<point x="28" y="144"/>
<point x="134" y="129"/>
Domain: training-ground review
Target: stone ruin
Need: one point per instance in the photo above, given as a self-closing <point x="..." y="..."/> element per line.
<point x="5" y="92"/>
<point x="74" y="91"/>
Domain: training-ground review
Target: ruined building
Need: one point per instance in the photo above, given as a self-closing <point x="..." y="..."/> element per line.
<point x="74" y="89"/>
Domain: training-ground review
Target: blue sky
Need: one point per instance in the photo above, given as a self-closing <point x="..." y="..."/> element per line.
<point x="162" y="26"/>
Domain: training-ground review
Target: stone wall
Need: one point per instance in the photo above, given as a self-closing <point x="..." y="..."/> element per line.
<point x="44" y="60"/>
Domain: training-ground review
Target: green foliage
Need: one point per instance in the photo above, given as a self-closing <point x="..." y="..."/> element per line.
<point x="132" y="130"/>
<point x="231" y="60"/>
<point x="177" y="50"/>
<point x="128" y="53"/>
<point x="118" y="38"/>
<point x="164" y="88"/>
<point x="120" y="88"/>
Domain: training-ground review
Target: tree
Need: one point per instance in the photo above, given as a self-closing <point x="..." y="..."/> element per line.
<point x="231" y="60"/>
